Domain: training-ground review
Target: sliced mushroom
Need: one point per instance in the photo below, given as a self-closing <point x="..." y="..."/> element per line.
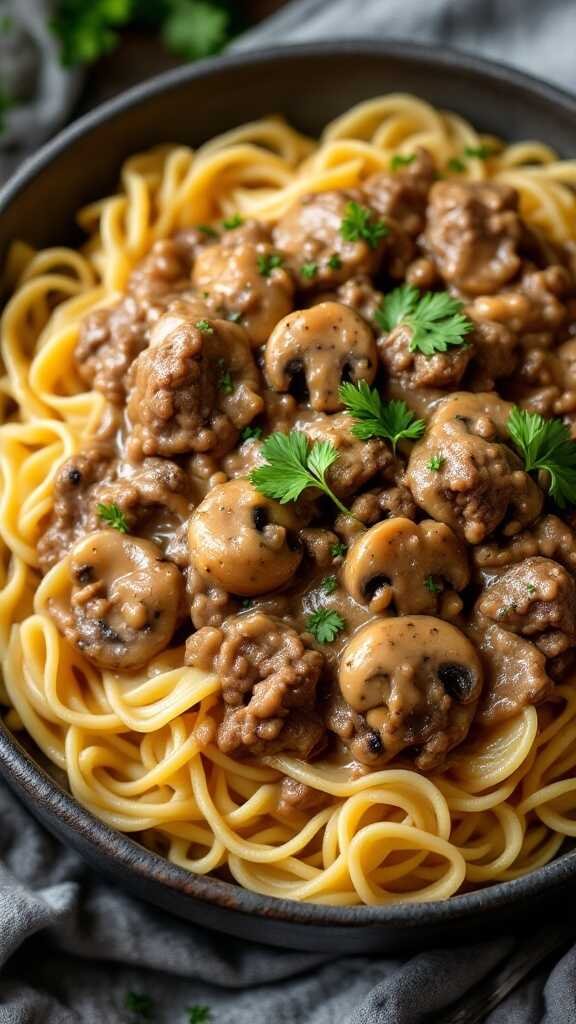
<point x="242" y="541"/>
<point x="416" y="681"/>
<point x="327" y="343"/>
<point x="407" y="564"/>
<point x="123" y="601"/>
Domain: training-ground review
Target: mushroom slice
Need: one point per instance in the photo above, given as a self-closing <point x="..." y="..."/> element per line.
<point x="122" y="601"/>
<point x="407" y="564"/>
<point x="416" y="681"/>
<point x="242" y="541"/>
<point x="327" y="343"/>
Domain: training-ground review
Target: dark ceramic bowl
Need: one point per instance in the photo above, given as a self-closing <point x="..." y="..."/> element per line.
<point x="310" y="85"/>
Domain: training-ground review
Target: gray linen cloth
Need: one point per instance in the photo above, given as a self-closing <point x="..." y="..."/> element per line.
<point x="72" y="945"/>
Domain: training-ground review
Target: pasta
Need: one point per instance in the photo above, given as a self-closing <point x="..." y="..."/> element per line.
<point x="132" y="743"/>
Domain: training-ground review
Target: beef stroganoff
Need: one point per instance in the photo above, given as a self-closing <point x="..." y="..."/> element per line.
<point x="287" y="506"/>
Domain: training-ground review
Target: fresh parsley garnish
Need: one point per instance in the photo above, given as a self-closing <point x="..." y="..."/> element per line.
<point x="335" y="263"/>
<point x="225" y="382"/>
<point x="236" y="221"/>
<point x="199" y="1015"/>
<point x="360" y="223"/>
<point x="399" y="160"/>
<point x="431" y="586"/>
<point x="546" y="445"/>
<point x="436" y="463"/>
<point x="246" y="602"/>
<point x="329" y="584"/>
<point x="250" y="432"/>
<point x="205" y="326"/>
<point x="435" y="319"/>
<point x="114" y="516"/>
<point x="325" y="625"/>
<point x="375" y="418"/>
<point x="456" y="164"/>
<point x="86" y="31"/>
<point x="479" y="152"/>
<point x="309" y="270"/>
<point x="195" y="28"/>
<point x="292" y="464"/>
<point x="207" y="230"/>
<point x="338" y="550"/>
<point x="530" y="588"/>
<point x="235" y="316"/>
<point x="267" y="262"/>
<point x="139" y="1004"/>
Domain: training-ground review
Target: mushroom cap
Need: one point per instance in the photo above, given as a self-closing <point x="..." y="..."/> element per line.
<point x="326" y="342"/>
<point x="416" y="679"/>
<point x="242" y="541"/>
<point x="122" y="602"/>
<point x="402" y="562"/>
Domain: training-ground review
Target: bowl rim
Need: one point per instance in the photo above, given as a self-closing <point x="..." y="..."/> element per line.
<point x="19" y="768"/>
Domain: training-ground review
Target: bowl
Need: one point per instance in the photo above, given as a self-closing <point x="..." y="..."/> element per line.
<point x="310" y="84"/>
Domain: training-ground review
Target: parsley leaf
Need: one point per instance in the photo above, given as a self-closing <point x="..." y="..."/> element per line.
<point x="546" y="444"/>
<point x="139" y="1004"/>
<point x="225" y="382"/>
<point x="479" y="152"/>
<point x="335" y="263"/>
<point x="86" y="31"/>
<point x="431" y="586"/>
<point x="376" y="418"/>
<point x="329" y="584"/>
<point x="436" y="463"/>
<point x="199" y="1015"/>
<point x="196" y="28"/>
<point x="249" y="432"/>
<point x="456" y="164"/>
<point x="399" y="160"/>
<point x="207" y="230"/>
<point x="360" y="223"/>
<point x="267" y="262"/>
<point x="205" y="326"/>
<point x="435" y="318"/>
<point x="236" y="221"/>
<point x="338" y="550"/>
<point x="114" y="516"/>
<point x="325" y="625"/>
<point x="293" y="464"/>
<point x="309" y="270"/>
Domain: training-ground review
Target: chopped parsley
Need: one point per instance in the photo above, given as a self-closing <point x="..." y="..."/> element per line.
<point x="338" y="550"/>
<point x="236" y="221"/>
<point x="361" y="224"/>
<point x="436" y="463"/>
<point x="225" y="382"/>
<point x="479" y="152"/>
<point x="113" y="516"/>
<point x="325" y="625"/>
<point x="329" y="584"/>
<point x="199" y="1015"/>
<point x="292" y="464"/>
<point x="250" y="432"/>
<point x="546" y="445"/>
<point x="399" y="160"/>
<point x="207" y="230"/>
<point x="267" y="262"/>
<point x="435" y="319"/>
<point x="139" y="1004"/>
<point x="431" y="586"/>
<point x="456" y="164"/>
<point x="309" y="270"/>
<point x="392" y="420"/>
<point x="531" y="588"/>
<point x="335" y="263"/>
<point x="205" y="326"/>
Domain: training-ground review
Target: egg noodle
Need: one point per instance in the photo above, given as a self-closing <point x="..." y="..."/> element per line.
<point x="127" y="742"/>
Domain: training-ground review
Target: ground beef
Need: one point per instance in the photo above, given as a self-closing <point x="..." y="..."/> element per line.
<point x="515" y="674"/>
<point x="210" y="604"/>
<point x="358" y="461"/>
<point x="297" y="797"/>
<point x="73" y="511"/>
<point x="549" y="537"/>
<point x="472" y="233"/>
<point x="269" y="677"/>
<point x="442" y="370"/>
<point x="495" y="354"/>
<point x="392" y="501"/>
<point x="359" y="293"/>
<point x="402" y="195"/>
<point x="536" y="598"/>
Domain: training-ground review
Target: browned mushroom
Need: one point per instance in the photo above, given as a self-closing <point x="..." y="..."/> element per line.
<point x="327" y="343"/>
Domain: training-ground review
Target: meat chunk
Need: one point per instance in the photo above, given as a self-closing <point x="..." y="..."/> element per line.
<point x="359" y="293"/>
<point x="242" y="277"/>
<point x="414" y="681"/>
<point x="549" y="537"/>
<point x="310" y="234"/>
<point x="73" y="511"/>
<point x="462" y="473"/>
<point x="494" y="349"/>
<point x="537" y="599"/>
<point x="515" y="674"/>
<point x="120" y="600"/>
<point x="472" y="232"/>
<point x="375" y="505"/>
<point x="193" y="390"/>
<point x="269" y="678"/>
<point x="403" y="195"/>
<point x="442" y="370"/>
<point x="358" y="461"/>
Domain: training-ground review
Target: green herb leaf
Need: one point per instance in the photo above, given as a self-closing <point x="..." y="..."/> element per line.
<point x="199" y="1015"/>
<point x="293" y="464"/>
<point x="309" y="270"/>
<point x="250" y="432"/>
<point x="139" y="1004"/>
<point x="325" y="625"/>
<point x="546" y="445"/>
<point x="479" y="152"/>
<point x="207" y="230"/>
<point x="530" y="588"/>
<point x="435" y="319"/>
<point x="113" y="516"/>
<point x="360" y="223"/>
<point x="335" y="263"/>
<point x="86" y="31"/>
<point x="456" y="164"/>
<point x="205" y="326"/>
<point x="338" y="550"/>
<point x="225" y="382"/>
<point x="436" y="463"/>
<point x="399" y="160"/>
<point x="431" y="585"/>
<point x="235" y="316"/>
<point x="376" y="418"/>
<point x="329" y="584"/>
<point x="196" y="28"/>
<point x="6" y="103"/>
<point x="236" y="221"/>
<point x="267" y="262"/>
